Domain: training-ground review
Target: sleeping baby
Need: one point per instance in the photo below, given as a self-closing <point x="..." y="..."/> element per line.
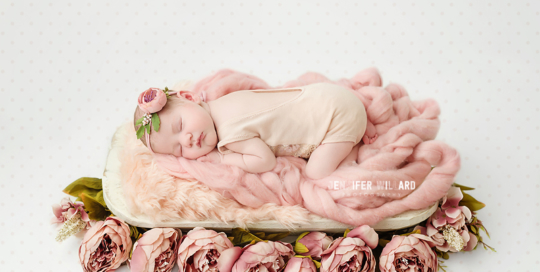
<point x="321" y="122"/>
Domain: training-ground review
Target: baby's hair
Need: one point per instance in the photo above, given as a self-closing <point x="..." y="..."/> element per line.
<point x="172" y="101"/>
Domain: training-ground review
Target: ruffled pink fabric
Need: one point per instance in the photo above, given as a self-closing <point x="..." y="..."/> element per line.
<point x="404" y="151"/>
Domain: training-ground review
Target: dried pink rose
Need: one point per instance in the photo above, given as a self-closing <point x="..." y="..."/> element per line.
<point x="67" y="209"/>
<point x="454" y="213"/>
<point x="156" y="250"/>
<point x="409" y="253"/>
<point x="351" y="253"/>
<point x="448" y="225"/>
<point x="105" y="246"/>
<point x="299" y="264"/>
<point x="270" y="256"/>
<point x="152" y="100"/>
<point x="200" y="248"/>
<point x="315" y="242"/>
<point x="72" y="216"/>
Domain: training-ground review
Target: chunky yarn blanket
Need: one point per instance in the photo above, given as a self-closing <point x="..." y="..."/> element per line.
<point x="404" y="151"/>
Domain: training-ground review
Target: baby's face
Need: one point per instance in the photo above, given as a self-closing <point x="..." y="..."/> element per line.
<point x="180" y="130"/>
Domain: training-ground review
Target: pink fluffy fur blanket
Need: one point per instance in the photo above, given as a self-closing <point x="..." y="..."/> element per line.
<point x="404" y="151"/>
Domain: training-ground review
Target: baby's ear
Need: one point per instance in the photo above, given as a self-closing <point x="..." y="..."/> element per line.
<point x="189" y="96"/>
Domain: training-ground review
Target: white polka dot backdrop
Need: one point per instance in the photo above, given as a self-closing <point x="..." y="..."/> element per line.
<point x="70" y="73"/>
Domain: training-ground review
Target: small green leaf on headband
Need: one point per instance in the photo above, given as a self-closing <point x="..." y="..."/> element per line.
<point x="139" y="121"/>
<point x="140" y="132"/>
<point x="155" y="121"/>
<point x="166" y="91"/>
<point x="148" y="128"/>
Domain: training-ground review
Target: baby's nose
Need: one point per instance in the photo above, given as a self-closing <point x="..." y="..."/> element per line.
<point x="191" y="140"/>
<point x="188" y="140"/>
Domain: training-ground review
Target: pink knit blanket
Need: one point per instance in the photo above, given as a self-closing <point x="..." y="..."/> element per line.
<point x="403" y="152"/>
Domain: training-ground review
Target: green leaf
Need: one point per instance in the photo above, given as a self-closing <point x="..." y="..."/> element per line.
<point x="139" y="121"/>
<point x="155" y="121"/>
<point x="383" y="242"/>
<point x="471" y="202"/>
<point x="484" y="229"/>
<point x="276" y="236"/>
<point x="412" y="232"/>
<point x="346" y="232"/>
<point x="89" y="191"/>
<point x="302" y="235"/>
<point x="133" y="232"/>
<point x="166" y="91"/>
<point x="317" y="264"/>
<point x="140" y="132"/>
<point x="242" y="236"/>
<point x="95" y="205"/>
<point x="445" y="255"/>
<point x="259" y="234"/>
<point x="83" y="185"/>
<point x="93" y="183"/>
<point x="148" y="129"/>
<point x="135" y="235"/>
<point x="300" y="248"/>
<point x="463" y="188"/>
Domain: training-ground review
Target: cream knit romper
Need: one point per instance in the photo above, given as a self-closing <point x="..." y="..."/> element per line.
<point x="321" y="113"/>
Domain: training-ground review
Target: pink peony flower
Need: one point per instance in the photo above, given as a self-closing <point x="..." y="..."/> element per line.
<point x="315" y="242"/>
<point x="200" y="249"/>
<point x="299" y="264"/>
<point x="448" y="225"/>
<point x="454" y="213"/>
<point x="409" y="253"/>
<point x="156" y="250"/>
<point x="67" y="209"/>
<point x="351" y="253"/>
<point x="152" y="100"/>
<point x="105" y="246"/>
<point x="268" y="256"/>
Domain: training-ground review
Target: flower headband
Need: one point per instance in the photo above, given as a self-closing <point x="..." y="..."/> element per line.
<point x="150" y="102"/>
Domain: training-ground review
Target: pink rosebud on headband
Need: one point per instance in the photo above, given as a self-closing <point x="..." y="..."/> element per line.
<point x="152" y="100"/>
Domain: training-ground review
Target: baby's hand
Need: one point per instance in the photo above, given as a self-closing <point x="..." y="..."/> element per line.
<point x="214" y="156"/>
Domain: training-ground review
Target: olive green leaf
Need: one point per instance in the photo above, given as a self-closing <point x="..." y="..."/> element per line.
<point x="95" y="206"/>
<point x="242" y="236"/>
<point x="346" y="232"/>
<point x="471" y="202"/>
<point x="417" y="231"/>
<point x="299" y="247"/>
<point x="463" y="187"/>
<point x="135" y="235"/>
<point x="148" y="129"/>
<point x="140" y="132"/>
<point x="276" y="236"/>
<point x="139" y="121"/>
<point x="383" y="242"/>
<point x="166" y="91"/>
<point x="155" y="121"/>
<point x="90" y="192"/>
<point x="83" y="185"/>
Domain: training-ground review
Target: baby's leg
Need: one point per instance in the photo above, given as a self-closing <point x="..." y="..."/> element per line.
<point x="326" y="158"/>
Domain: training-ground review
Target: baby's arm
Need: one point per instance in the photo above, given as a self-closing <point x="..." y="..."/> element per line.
<point x="252" y="155"/>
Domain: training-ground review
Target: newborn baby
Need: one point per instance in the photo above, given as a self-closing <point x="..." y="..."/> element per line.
<point x="321" y="122"/>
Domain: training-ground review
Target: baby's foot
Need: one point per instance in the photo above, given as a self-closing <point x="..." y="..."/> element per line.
<point x="369" y="140"/>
